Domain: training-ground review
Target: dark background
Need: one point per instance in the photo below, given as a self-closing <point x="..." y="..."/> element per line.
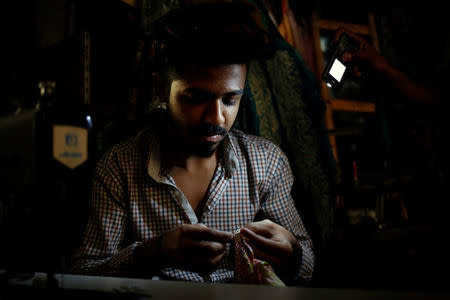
<point x="42" y="42"/>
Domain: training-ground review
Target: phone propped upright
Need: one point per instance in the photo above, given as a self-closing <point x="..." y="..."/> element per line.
<point x="335" y="70"/>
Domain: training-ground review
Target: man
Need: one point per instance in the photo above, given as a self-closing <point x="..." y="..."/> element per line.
<point x="166" y="203"/>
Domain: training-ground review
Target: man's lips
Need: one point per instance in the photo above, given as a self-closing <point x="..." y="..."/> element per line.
<point x="209" y="133"/>
<point x="211" y="138"/>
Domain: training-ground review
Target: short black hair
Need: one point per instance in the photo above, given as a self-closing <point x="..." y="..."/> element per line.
<point x="209" y="34"/>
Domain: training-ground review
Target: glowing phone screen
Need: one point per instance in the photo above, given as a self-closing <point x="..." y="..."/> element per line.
<point x="337" y="70"/>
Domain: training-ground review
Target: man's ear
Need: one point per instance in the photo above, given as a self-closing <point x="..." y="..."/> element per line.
<point x="160" y="87"/>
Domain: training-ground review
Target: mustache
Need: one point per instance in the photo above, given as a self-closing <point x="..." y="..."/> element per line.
<point x="208" y="129"/>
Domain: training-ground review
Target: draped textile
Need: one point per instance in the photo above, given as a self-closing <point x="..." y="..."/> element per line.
<point x="282" y="103"/>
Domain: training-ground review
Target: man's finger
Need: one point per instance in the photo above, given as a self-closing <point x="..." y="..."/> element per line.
<point x="202" y="248"/>
<point x="272" y="259"/>
<point x="346" y="57"/>
<point x="356" y="71"/>
<point x="347" y="31"/>
<point x="263" y="243"/>
<point x="201" y="232"/>
<point x="263" y="228"/>
<point x="337" y="34"/>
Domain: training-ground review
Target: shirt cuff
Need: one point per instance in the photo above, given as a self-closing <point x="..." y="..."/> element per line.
<point x="307" y="266"/>
<point x="123" y="260"/>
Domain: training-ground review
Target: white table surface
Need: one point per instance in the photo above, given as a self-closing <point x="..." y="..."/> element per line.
<point x="155" y="290"/>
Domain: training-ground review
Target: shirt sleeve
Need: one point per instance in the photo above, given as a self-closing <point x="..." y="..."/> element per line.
<point x="278" y="206"/>
<point x="104" y="249"/>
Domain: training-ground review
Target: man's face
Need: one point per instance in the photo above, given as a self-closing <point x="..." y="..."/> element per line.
<point x="204" y="103"/>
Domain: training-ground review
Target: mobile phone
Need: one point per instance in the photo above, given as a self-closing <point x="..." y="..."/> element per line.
<point x="335" y="70"/>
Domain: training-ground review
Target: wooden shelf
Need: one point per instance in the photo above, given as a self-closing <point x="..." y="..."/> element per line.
<point x="334" y="104"/>
<point x="352" y="106"/>
<point x="334" y="25"/>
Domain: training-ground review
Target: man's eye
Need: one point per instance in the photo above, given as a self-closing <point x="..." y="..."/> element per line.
<point x="194" y="100"/>
<point x="230" y="101"/>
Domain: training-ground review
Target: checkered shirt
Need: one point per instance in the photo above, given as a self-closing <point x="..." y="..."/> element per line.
<point x="133" y="199"/>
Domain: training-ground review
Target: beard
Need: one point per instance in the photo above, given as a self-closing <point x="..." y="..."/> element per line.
<point x="204" y="148"/>
<point x="191" y="140"/>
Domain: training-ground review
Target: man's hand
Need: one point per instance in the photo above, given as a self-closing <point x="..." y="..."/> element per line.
<point x="276" y="245"/>
<point x="191" y="247"/>
<point x="366" y="56"/>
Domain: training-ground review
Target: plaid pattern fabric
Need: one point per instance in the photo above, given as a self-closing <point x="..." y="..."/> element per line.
<point x="134" y="199"/>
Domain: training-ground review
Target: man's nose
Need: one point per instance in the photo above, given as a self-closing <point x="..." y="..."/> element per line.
<point x="215" y="113"/>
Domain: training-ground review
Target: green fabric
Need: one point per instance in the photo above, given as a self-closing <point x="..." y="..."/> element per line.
<point x="283" y="104"/>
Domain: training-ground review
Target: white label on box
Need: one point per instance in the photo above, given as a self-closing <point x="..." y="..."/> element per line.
<point x="70" y="145"/>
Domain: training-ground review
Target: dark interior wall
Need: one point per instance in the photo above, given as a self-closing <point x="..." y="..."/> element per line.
<point x="38" y="31"/>
<point x="44" y="37"/>
<point x="414" y="38"/>
<point x="18" y="54"/>
<point x="41" y="43"/>
<point x="114" y="32"/>
<point x="35" y="35"/>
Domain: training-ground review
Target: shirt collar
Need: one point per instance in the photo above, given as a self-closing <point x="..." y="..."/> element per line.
<point x="154" y="158"/>
<point x="154" y="163"/>
<point x="229" y="156"/>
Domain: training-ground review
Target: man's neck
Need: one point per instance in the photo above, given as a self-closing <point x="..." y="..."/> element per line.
<point x="176" y="156"/>
<point x="191" y="162"/>
<point x="192" y="175"/>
